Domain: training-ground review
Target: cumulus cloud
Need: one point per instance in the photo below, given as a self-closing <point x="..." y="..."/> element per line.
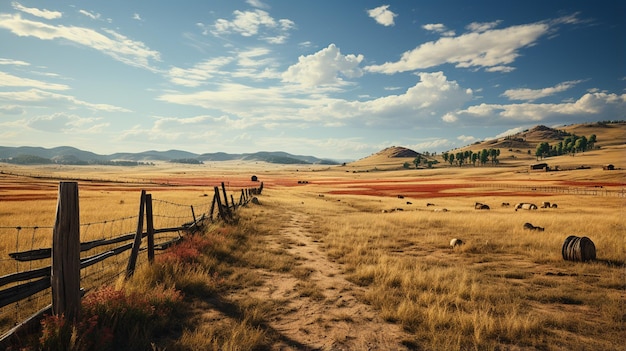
<point x="37" y="12"/>
<point x="535" y="94"/>
<point x="382" y="15"/>
<point x="250" y="23"/>
<point x="434" y="95"/>
<point x="325" y="67"/>
<point x="9" y="80"/>
<point x="491" y="48"/>
<point x="111" y="43"/>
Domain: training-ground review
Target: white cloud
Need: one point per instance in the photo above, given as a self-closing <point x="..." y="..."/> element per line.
<point x="249" y="23"/>
<point x="199" y="73"/>
<point x="8" y="80"/>
<point x="439" y="28"/>
<point x="258" y="4"/>
<point x="137" y="17"/>
<point x="508" y="132"/>
<point x="482" y="27"/>
<point x="590" y="106"/>
<point x="119" y="47"/>
<point x="36" y="96"/>
<point x="466" y="138"/>
<point x="60" y="122"/>
<point x="534" y="94"/>
<point x="325" y="67"/>
<point x="382" y="15"/>
<point x="487" y="49"/>
<point x="93" y="16"/>
<point x="504" y="69"/>
<point x="4" y="61"/>
<point x="37" y="12"/>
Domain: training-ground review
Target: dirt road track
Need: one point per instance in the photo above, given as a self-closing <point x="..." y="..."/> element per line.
<point x="330" y="319"/>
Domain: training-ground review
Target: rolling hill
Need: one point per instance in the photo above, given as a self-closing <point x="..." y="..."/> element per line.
<point x="70" y="155"/>
<point x="519" y="149"/>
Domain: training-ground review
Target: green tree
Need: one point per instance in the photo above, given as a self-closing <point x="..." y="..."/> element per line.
<point x="451" y="159"/>
<point x="591" y="142"/>
<point x="484" y="156"/>
<point x="417" y="161"/>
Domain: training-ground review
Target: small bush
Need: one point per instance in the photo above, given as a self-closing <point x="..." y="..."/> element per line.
<point x="112" y="320"/>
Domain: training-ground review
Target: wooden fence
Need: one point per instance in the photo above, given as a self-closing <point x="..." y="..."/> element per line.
<point x="66" y="263"/>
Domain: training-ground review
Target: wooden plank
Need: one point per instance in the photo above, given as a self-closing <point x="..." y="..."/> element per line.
<point x="22" y="291"/>
<point x="21" y="276"/>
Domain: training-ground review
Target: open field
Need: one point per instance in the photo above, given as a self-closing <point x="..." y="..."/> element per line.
<point x="330" y="261"/>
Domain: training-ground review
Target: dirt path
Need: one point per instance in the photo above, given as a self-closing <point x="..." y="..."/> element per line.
<point x="330" y="317"/>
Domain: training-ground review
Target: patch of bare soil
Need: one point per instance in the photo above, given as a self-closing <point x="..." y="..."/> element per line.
<point x="330" y="317"/>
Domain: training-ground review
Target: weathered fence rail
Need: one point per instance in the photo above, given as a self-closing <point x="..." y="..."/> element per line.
<point x="63" y="272"/>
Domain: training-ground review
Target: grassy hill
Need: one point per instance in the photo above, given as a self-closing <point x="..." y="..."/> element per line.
<point x="518" y="150"/>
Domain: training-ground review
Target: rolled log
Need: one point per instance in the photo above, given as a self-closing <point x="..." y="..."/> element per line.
<point x="579" y="249"/>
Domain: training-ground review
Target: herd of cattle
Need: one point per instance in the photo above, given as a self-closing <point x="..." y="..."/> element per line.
<point x="574" y="248"/>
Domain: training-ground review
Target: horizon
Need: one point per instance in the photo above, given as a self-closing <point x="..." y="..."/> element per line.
<point x="337" y="81"/>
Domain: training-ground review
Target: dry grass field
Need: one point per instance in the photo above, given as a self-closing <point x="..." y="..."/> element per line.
<point x="358" y="257"/>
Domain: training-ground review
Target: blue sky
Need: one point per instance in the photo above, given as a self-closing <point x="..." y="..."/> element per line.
<point x="332" y="79"/>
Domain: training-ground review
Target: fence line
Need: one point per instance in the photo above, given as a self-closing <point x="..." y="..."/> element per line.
<point x="554" y="189"/>
<point x="28" y="291"/>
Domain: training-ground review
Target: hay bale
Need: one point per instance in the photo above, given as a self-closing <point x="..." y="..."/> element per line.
<point x="579" y="249"/>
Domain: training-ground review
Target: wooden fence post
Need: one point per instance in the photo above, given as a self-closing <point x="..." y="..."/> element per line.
<point x="65" y="272"/>
<point x="226" y="200"/>
<point x="212" y="207"/>
<point x="220" y="209"/>
<point x="132" y="260"/>
<point x="150" y="227"/>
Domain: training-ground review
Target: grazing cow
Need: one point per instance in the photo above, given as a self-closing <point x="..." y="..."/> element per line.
<point x="400" y="197"/>
<point x="505" y="204"/>
<point x="529" y="226"/>
<point x="455" y="242"/>
<point x="545" y="204"/>
<point x="480" y="206"/>
<point x="441" y="210"/>
<point x="554" y="205"/>
<point x="429" y="204"/>
<point x="525" y="206"/>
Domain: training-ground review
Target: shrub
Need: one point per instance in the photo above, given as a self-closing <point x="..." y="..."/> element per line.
<point x="112" y="320"/>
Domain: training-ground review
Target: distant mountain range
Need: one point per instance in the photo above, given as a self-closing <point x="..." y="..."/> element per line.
<point x="71" y="155"/>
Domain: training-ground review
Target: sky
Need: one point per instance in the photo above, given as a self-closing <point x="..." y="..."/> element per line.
<point x="332" y="79"/>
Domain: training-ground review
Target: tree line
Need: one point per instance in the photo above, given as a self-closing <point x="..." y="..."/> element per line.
<point x="569" y="145"/>
<point x="481" y="157"/>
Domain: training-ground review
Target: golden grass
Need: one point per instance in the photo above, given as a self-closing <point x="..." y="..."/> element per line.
<point x="505" y="286"/>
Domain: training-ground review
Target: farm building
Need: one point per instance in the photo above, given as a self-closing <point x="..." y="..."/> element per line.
<point x="539" y="167"/>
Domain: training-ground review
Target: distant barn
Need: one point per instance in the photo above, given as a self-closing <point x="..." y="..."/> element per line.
<point x="539" y="167"/>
